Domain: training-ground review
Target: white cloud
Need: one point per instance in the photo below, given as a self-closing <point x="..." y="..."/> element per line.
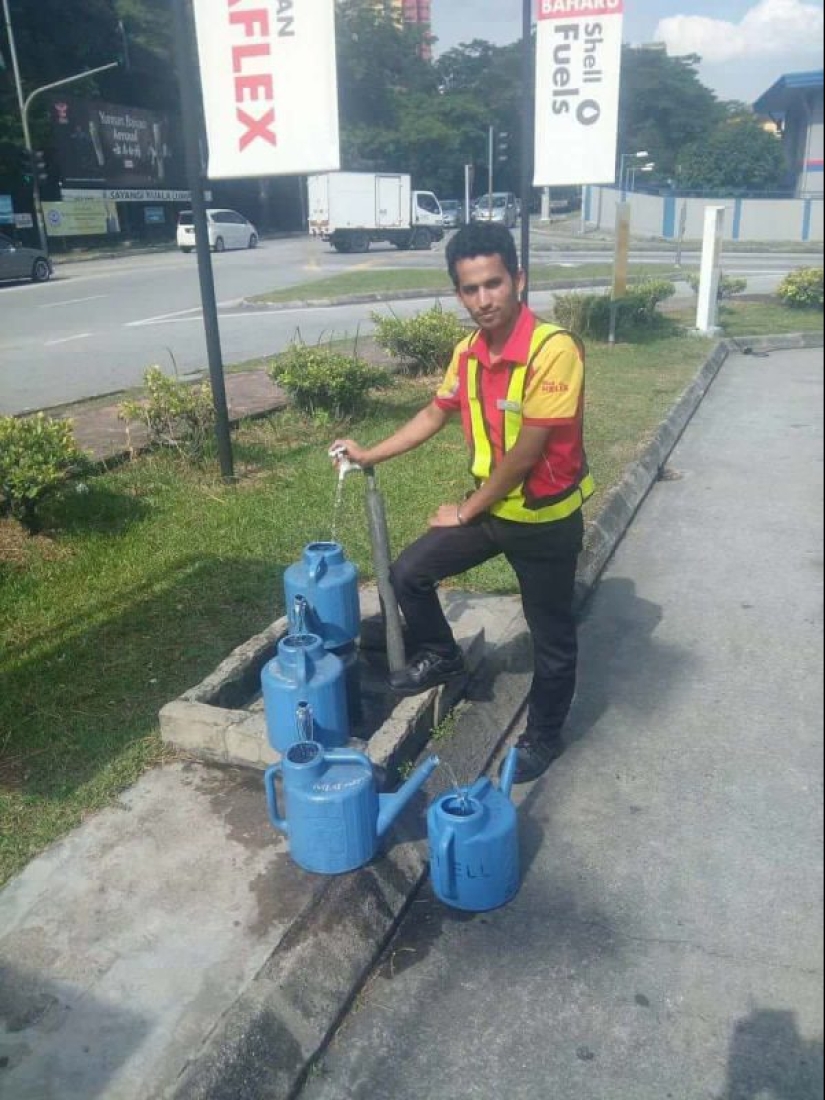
<point x="771" y="27"/>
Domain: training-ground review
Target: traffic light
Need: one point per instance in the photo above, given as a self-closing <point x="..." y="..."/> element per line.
<point x="39" y="165"/>
<point x="502" y="146"/>
<point x="26" y="168"/>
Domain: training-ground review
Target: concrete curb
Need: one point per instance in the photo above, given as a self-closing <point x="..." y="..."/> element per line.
<point x="402" y="296"/>
<point x="265" y="1046"/>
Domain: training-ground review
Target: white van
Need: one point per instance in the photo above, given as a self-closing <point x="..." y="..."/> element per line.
<point x="227" y="229"/>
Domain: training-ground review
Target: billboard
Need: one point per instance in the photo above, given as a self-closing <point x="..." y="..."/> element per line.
<point x="578" y="64"/>
<point x="101" y="144"/>
<point x="81" y="218"/>
<point x="270" y="87"/>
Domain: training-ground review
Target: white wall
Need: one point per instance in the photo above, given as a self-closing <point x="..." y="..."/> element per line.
<point x="745" y="219"/>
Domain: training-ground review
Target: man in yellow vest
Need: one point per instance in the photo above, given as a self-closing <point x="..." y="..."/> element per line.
<point x="518" y="385"/>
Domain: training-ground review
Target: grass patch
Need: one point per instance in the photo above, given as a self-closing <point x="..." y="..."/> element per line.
<point x="393" y="281"/>
<point x="763" y="317"/>
<point x="136" y="589"/>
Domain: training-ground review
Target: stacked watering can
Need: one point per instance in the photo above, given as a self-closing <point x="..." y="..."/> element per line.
<point x="317" y="663"/>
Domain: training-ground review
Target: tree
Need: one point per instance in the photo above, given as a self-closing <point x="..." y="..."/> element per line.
<point x="663" y="106"/>
<point x="738" y="155"/>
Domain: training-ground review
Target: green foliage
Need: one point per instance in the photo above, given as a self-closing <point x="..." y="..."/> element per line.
<point x="325" y="382"/>
<point x="36" y="454"/>
<point x="738" y="155"/>
<point x="424" y="344"/>
<point x="663" y="106"/>
<point x="729" y="285"/>
<point x="174" y="413"/>
<point x="802" y="289"/>
<point x="589" y="314"/>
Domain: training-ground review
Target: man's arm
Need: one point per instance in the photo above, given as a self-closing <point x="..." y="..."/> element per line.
<point x="510" y="472"/>
<point x="423" y="426"/>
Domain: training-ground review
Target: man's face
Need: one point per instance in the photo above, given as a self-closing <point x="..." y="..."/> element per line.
<point x="489" y="293"/>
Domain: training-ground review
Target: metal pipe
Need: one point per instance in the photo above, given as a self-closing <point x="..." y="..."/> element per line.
<point x="380" y="541"/>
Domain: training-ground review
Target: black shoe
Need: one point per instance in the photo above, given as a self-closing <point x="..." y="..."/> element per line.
<point x="534" y="755"/>
<point x="427" y="670"/>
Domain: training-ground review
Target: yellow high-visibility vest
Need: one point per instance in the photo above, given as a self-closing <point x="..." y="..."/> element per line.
<point x="515" y="505"/>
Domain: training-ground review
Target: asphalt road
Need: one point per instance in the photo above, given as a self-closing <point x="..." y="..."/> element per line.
<point x="97" y="326"/>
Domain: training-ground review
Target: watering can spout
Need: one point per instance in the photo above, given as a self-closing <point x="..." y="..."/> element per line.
<point x="391" y="805"/>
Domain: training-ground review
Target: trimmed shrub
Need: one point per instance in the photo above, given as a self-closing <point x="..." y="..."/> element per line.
<point x="37" y="453"/>
<point x="423" y="344"/>
<point x="176" y="414"/>
<point x="325" y="382"/>
<point x="728" y="285"/>
<point x="589" y="314"/>
<point x="802" y="289"/>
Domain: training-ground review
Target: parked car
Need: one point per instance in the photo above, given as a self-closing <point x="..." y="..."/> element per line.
<point x="501" y="207"/>
<point x="227" y="229"/>
<point x="453" y="212"/>
<point x="18" y="262"/>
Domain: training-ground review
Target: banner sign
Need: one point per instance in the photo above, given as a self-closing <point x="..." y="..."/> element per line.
<point x="578" y="65"/>
<point x="81" y="218"/>
<point x="270" y="86"/>
<point x="101" y="144"/>
<point x="144" y="194"/>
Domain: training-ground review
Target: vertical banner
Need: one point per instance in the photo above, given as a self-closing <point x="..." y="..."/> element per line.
<point x="270" y="87"/>
<point x="578" y="65"/>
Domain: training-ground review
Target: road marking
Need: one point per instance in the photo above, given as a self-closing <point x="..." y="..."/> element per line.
<point x="182" y="314"/>
<point x="67" y="339"/>
<point x="73" y="301"/>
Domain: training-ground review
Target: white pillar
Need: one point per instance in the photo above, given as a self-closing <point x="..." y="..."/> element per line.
<point x="709" y="272"/>
<point x="545" y="204"/>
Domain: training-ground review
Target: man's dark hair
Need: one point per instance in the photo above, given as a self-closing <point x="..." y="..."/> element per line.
<point x="482" y="240"/>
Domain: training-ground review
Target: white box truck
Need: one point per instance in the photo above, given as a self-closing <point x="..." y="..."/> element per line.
<point x="353" y="209"/>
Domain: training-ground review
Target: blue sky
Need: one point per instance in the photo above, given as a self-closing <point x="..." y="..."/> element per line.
<point x="745" y="44"/>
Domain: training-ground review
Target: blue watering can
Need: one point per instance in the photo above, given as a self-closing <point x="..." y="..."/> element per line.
<point x="321" y="593"/>
<point x="335" y="819"/>
<point x="474" y="852"/>
<point x="304" y="674"/>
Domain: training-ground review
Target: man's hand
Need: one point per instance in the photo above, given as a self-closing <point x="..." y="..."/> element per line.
<point x="447" y="516"/>
<point x="353" y="451"/>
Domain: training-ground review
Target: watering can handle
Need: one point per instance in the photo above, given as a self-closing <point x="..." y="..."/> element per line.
<point x="317" y="567"/>
<point x="446" y="864"/>
<point x="272" y="798"/>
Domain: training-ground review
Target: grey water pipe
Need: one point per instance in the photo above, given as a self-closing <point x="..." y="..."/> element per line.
<point x="380" y="541"/>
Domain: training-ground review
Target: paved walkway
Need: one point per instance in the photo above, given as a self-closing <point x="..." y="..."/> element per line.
<point x="666" y="943"/>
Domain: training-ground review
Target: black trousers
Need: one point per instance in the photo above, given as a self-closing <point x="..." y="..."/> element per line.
<point x="544" y="558"/>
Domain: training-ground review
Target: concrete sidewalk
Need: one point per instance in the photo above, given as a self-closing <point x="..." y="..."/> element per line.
<point x="169" y="947"/>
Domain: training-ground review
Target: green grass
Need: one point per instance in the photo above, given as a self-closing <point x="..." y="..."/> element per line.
<point x="390" y="281"/>
<point x="740" y="317"/>
<point x="141" y="585"/>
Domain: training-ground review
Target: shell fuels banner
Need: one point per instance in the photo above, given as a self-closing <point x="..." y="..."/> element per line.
<point x="578" y="63"/>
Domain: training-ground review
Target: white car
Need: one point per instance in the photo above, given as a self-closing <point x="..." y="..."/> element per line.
<point x="227" y="229"/>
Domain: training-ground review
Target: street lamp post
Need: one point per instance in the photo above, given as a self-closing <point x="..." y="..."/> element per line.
<point x="24" y="103"/>
<point x="625" y="157"/>
<point x="633" y="170"/>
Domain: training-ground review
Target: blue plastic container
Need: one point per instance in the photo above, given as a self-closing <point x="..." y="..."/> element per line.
<point x="335" y="819"/>
<point x="474" y="847"/>
<point x="304" y="675"/>
<point x="322" y="589"/>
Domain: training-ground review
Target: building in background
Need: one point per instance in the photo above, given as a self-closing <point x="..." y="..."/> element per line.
<point x="794" y="105"/>
<point x="416" y="12"/>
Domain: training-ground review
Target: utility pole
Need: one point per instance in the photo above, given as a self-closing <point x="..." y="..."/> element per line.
<point x="188" y="82"/>
<point x="527" y="98"/>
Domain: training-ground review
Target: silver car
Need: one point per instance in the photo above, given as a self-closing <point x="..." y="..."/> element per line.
<point x="500" y="207"/>
<point x="17" y="262"/>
